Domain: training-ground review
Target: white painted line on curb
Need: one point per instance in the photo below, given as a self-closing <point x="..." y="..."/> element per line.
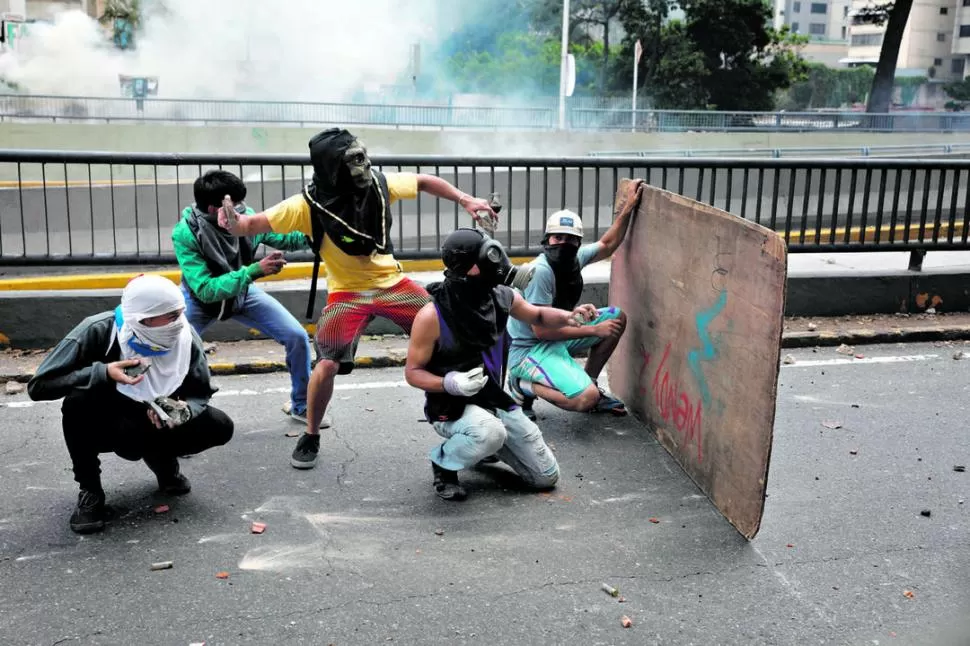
<point x="860" y="362"/>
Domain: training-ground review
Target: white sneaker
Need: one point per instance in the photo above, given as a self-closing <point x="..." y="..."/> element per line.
<point x="326" y="422"/>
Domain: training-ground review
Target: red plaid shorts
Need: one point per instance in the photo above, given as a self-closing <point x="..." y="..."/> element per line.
<point x="347" y="314"/>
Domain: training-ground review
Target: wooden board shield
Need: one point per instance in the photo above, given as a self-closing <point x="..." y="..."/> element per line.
<point x="704" y="292"/>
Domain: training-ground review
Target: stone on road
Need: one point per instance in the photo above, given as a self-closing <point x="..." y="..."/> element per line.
<point x="361" y="551"/>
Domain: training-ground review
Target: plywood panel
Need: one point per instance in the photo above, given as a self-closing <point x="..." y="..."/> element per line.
<point x="704" y="293"/>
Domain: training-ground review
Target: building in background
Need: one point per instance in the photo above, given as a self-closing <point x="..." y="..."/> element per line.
<point x="825" y="22"/>
<point x="46" y="9"/>
<point x="960" y="63"/>
<point x="932" y="47"/>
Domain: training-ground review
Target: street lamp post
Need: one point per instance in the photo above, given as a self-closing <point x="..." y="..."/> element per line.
<point x="563" y="65"/>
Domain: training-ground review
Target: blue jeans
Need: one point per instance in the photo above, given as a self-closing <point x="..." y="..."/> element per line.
<point x="516" y="440"/>
<point x="264" y="313"/>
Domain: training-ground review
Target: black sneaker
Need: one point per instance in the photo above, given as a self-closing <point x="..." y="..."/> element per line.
<point x="609" y="404"/>
<point x="305" y="453"/>
<point x="171" y="482"/>
<point x="446" y="484"/>
<point x="90" y="513"/>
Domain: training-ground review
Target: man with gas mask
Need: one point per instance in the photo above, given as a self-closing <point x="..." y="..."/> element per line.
<point x="540" y="359"/>
<point x="458" y="355"/>
<point x="346" y="211"/>
<point x="135" y="382"/>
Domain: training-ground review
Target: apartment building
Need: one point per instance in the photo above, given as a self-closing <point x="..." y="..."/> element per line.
<point x="820" y="20"/>
<point x="933" y="46"/>
<point x="825" y="22"/>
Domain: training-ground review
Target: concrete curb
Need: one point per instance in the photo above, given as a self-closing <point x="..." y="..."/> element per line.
<point x="872" y="337"/>
<point x="790" y="340"/>
<point x="118" y="280"/>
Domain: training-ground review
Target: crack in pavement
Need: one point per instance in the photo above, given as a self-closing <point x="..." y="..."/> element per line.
<point x="68" y="639"/>
<point x="16" y="448"/>
<point x="833" y="559"/>
<point x="345" y="465"/>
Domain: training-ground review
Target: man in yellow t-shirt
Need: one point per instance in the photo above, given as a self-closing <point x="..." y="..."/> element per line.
<point x="346" y="211"/>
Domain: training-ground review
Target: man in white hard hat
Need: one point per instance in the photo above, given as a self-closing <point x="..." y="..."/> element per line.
<point x="540" y="359"/>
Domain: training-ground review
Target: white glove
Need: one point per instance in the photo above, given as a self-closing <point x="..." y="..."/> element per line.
<point x="465" y="384"/>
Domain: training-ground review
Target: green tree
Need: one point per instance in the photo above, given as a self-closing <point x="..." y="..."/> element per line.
<point x="521" y="63"/>
<point x="746" y="61"/>
<point x="827" y="87"/>
<point x="677" y="78"/>
<point x="590" y="22"/>
<point x="959" y="92"/>
<point x="894" y="15"/>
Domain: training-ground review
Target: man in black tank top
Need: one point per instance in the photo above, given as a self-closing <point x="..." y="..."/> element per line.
<point x="458" y="354"/>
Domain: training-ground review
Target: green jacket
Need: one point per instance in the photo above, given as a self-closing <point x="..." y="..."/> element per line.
<point x="209" y="288"/>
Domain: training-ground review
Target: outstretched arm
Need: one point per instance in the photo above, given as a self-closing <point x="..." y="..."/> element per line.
<point x="611" y="240"/>
<point x="243" y="225"/>
<point x="438" y="187"/>
<point x="551" y="317"/>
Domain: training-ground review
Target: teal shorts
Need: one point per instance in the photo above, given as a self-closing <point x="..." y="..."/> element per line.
<point x="550" y="363"/>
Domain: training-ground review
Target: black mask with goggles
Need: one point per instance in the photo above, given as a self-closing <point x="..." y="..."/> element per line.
<point x="466" y="248"/>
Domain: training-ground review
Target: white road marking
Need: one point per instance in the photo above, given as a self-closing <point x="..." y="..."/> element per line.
<point x="378" y="385"/>
<point x="907" y="358"/>
<point x="246" y="392"/>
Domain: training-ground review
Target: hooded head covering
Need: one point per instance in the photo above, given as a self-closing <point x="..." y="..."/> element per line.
<point x="327" y="150"/>
<point x="358" y="220"/>
<point x="474" y="307"/>
<point x="168" y="348"/>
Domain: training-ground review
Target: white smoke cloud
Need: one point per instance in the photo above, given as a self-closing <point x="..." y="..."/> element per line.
<point x="288" y="50"/>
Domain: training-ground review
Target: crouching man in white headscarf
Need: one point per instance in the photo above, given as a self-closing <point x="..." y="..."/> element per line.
<point x="135" y="382"/>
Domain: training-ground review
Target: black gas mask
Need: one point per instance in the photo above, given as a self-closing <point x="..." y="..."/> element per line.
<point x="466" y="248"/>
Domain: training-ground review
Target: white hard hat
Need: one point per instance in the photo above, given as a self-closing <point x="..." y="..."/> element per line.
<point x="564" y="223"/>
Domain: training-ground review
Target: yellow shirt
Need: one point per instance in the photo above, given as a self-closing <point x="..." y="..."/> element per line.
<point x="347" y="273"/>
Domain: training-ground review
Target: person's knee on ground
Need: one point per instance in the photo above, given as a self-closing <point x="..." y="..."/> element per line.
<point x="544" y="481"/>
<point x="527" y="453"/>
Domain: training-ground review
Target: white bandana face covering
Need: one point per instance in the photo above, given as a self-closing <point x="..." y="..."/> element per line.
<point x="167" y="348"/>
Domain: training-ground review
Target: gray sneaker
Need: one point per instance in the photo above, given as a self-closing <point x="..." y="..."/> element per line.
<point x="326" y="422"/>
<point x="305" y="454"/>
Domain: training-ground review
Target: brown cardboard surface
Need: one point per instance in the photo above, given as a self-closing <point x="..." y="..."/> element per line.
<point x="704" y="294"/>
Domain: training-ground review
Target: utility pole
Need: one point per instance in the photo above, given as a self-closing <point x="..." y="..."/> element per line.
<point x="563" y="65"/>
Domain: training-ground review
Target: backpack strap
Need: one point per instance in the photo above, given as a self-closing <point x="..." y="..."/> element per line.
<point x="316" y="241"/>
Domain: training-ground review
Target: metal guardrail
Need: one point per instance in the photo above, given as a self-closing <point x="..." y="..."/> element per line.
<point x="120" y="208"/>
<point x="543" y="116"/>
<point x="905" y="150"/>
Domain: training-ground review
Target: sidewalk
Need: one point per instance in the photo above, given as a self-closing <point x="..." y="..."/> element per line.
<point x="374" y="351"/>
<point x="799" y="264"/>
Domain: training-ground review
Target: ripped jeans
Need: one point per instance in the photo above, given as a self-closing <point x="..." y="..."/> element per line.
<point x="510" y="435"/>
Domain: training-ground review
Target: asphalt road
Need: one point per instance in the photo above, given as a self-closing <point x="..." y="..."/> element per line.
<point x="360" y="551"/>
<point x="127" y="218"/>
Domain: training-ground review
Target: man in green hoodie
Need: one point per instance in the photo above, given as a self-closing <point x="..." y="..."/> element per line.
<point x="218" y="272"/>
